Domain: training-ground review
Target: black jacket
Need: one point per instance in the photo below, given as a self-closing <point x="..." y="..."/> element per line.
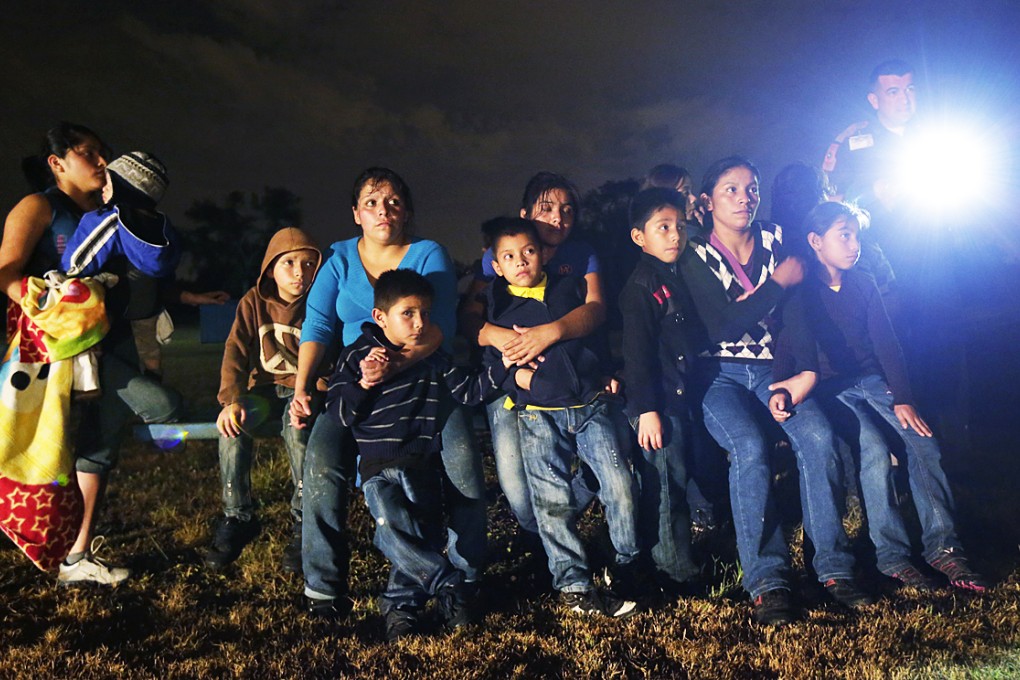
<point x="572" y="372"/>
<point x="658" y="346"/>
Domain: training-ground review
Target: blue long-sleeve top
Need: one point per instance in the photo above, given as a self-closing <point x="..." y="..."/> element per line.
<point x="342" y="295"/>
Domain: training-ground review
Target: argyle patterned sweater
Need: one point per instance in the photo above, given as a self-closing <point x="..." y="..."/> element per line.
<point x="739" y="331"/>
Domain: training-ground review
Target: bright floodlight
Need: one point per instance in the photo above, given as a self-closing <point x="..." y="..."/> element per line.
<point x="948" y="170"/>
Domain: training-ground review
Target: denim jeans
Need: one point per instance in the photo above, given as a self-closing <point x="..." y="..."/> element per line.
<point x="862" y="409"/>
<point x="405" y="503"/>
<point x="506" y="448"/>
<point x="235" y="454"/>
<point x="329" y="474"/>
<point x="330" y="471"/>
<point x="734" y="392"/>
<point x="465" y="495"/>
<point x="550" y="441"/>
<point x="707" y="472"/>
<point x="664" y="521"/>
<point x="126" y="392"/>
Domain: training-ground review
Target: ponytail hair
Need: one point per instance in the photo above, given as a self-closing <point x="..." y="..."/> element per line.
<point x="57" y="142"/>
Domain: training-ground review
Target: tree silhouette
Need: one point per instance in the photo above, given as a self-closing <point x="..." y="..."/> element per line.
<point x="225" y="243"/>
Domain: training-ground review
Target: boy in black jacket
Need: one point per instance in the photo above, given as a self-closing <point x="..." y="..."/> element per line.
<point x="561" y="417"/>
<point x="397" y="425"/>
<point x="656" y="307"/>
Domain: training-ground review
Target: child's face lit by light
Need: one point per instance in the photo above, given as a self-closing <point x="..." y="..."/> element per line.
<point x="405" y="322"/>
<point x="840" y="246"/>
<point x="518" y="259"/>
<point x="664" y="235"/>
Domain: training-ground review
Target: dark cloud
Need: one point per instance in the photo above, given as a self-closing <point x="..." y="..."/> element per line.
<point x="468" y="99"/>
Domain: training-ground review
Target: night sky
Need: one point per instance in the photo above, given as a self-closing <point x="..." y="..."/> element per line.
<point x="467" y="99"/>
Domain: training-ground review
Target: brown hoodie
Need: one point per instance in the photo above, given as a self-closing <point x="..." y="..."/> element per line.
<point x="262" y="347"/>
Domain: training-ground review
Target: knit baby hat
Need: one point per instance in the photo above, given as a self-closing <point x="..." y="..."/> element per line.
<point x="142" y="171"/>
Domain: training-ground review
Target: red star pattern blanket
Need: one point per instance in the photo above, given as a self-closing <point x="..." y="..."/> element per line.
<point x="40" y="504"/>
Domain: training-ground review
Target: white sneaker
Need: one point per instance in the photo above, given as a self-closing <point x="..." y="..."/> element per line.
<point x="92" y="569"/>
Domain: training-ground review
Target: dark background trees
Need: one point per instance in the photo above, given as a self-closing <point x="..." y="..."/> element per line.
<point x="225" y="241"/>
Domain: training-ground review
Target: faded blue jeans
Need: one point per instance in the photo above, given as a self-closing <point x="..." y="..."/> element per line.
<point x="464" y="494"/>
<point x="406" y="505"/>
<point x="550" y="441"/>
<point x="664" y="520"/>
<point x="235" y="453"/>
<point x="506" y="449"/>
<point x="862" y="410"/>
<point x="330" y="471"/>
<point x="735" y="392"/>
<point x="126" y="392"/>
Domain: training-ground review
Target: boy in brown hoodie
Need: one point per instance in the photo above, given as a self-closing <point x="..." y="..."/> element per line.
<point x="256" y="379"/>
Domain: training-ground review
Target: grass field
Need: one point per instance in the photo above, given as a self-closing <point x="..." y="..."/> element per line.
<point x="175" y="619"/>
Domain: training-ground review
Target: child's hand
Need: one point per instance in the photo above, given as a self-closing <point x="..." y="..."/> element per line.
<point x="230" y="421"/>
<point x="790" y="272"/>
<point x="523" y="378"/>
<point x="533" y="365"/>
<point x="908" y="417"/>
<point x="530" y="343"/>
<point x="610" y="385"/>
<point x="300" y="409"/>
<point x="798" y="387"/>
<point x="374" y="367"/>
<point x="649" y="432"/>
<point x="780" y="405"/>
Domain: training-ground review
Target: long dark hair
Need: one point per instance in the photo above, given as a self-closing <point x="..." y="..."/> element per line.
<point x="57" y="142"/>
<point x="542" y="183"/>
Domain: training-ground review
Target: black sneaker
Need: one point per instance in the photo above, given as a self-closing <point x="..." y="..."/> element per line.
<point x="912" y="577"/>
<point x="400" y="623"/>
<point x="456" y="606"/>
<point x="603" y="603"/>
<point x="702" y="523"/>
<point x="229" y="539"/>
<point x="291" y="560"/>
<point x="845" y="592"/>
<point x="954" y="565"/>
<point x="332" y="609"/>
<point x="632" y="581"/>
<point x="773" y="608"/>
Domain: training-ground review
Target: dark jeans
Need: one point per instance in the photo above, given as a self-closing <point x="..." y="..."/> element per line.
<point x="235" y="453"/>
<point x="664" y="521"/>
<point x="862" y="409"/>
<point x="734" y="391"/>
<point x="405" y="503"/>
<point x="126" y="392"/>
<point x="330" y="471"/>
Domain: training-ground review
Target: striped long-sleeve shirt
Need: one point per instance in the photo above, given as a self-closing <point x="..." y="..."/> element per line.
<point x="398" y="422"/>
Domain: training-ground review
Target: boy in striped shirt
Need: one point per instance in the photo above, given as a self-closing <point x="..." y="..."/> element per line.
<point x="397" y="425"/>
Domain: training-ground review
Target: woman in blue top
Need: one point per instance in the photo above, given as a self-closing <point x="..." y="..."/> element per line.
<point x="339" y="302"/>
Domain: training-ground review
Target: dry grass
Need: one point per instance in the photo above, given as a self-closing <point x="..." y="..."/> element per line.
<point x="177" y="620"/>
